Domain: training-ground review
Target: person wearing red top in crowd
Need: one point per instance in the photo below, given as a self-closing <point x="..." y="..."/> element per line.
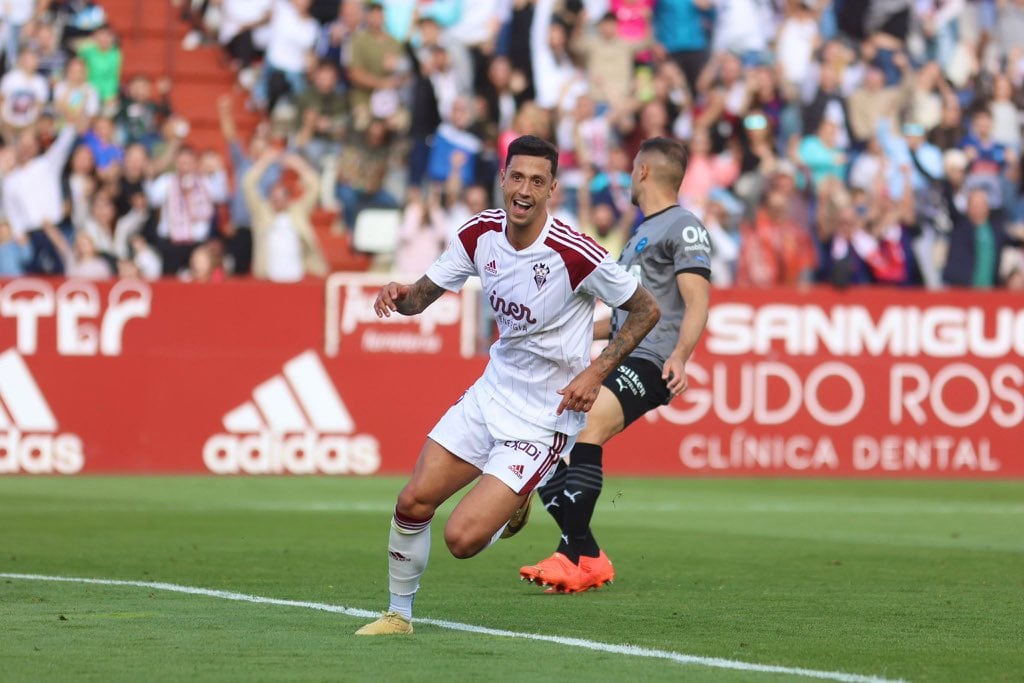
<point x="775" y="249"/>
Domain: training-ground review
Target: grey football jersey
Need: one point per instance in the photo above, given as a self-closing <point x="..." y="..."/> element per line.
<point x="666" y="244"/>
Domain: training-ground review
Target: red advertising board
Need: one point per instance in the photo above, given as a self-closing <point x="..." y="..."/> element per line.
<point x="255" y="378"/>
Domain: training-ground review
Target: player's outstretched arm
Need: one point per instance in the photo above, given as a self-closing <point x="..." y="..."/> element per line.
<point x="406" y="299"/>
<point x="581" y="392"/>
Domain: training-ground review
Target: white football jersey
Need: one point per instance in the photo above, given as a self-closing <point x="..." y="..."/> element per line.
<point x="543" y="302"/>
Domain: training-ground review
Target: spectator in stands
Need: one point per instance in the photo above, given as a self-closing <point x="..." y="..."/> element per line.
<point x="927" y="94"/>
<point x="23" y="93"/>
<point x="373" y="67"/>
<point x="991" y="162"/>
<point x="706" y="171"/>
<point x="719" y="215"/>
<point x="241" y="20"/>
<point x="473" y="38"/>
<point x="80" y="19"/>
<point x="80" y="258"/>
<point x="335" y="43"/>
<point x="187" y="199"/>
<point x="821" y="154"/>
<point x="144" y="257"/>
<point x="291" y="38"/>
<point x="16" y="15"/>
<point x="52" y="57"/>
<point x="423" y="232"/>
<point x="742" y="27"/>
<point x="1005" y="112"/>
<point x="240" y="238"/>
<point x="425" y="111"/>
<point x="139" y="115"/>
<point x="774" y="249"/>
<point x="364" y="167"/>
<point x="875" y="101"/>
<point x="601" y="220"/>
<point x="15" y="252"/>
<point x="556" y="78"/>
<point x="975" y="244"/>
<point x="682" y="31"/>
<point x="75" y="95"/>
<point x="608" y="60"/>
<point x="951" y="130"/>
<point x="33" y="201"/>
<point x="82" y="183"/>
<point x="100" y="139"/>
<point x="842" y="226"/>
<point x="455" y="137"/>
<point x="102" y="58"/>
<point x="285" y="248"/>
<point x="101" y="224"/>
<point x="204" y="264"/>
<point x="323" y="116"/>
<point x="795" y="45"/>
<point x="130" y="189"/>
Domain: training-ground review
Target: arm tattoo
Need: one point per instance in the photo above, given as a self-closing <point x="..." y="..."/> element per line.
<point x="421" y="294"/>
<point x="643" y="315"/>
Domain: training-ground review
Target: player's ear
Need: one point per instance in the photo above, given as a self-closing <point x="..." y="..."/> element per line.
<point x="551" y="190"/>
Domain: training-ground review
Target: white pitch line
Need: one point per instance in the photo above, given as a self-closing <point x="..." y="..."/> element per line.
<point x="629" y="650"/>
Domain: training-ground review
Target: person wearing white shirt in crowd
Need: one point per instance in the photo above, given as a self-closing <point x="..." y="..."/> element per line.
<point x="472" y="38"/>
<point x="32" y="194"/>
<point x="244" y="32"/>
<point x="743" y="27"/>
<point x="293" y="34"/>
<point x="14" y="15"/>
<point x="23" y="92"/>
<point x="187" y="197"/>
<point x="75" y="94"/>
<point x="797" y="40"/>
<point x="554" y="71"/>
<point x="284" y="247"/>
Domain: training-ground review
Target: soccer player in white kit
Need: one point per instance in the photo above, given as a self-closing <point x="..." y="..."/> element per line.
<point x="514" y="423"/>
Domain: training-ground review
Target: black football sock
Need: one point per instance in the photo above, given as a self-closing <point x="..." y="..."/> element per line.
<point x="551" y="493"/>
<point x="582" y="488"/>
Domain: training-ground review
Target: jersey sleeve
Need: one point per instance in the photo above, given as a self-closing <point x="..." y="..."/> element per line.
<point x="690" y="247"/>
<point x="610" y="283"/>
<point x="452" y="268"/>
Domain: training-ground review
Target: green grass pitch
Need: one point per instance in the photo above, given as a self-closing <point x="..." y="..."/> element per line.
<point x="920" y="581"/>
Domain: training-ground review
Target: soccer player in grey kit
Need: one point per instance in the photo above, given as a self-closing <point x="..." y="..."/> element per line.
<point x="670" y="253"/>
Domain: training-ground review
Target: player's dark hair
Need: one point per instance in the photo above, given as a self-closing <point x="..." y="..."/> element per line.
<point x="674" y="153"/>
<point x="533" y="146"/>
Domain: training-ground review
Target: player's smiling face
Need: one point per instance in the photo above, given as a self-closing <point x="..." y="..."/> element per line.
<point x="527" y="185"/>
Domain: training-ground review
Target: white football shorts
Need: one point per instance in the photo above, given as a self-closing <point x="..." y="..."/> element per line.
<point x="481" y="431"/>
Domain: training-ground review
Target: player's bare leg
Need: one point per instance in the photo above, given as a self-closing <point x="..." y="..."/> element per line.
<point x="437" y="476"/>
<point x="579" y="563"/>
<point x="479" y="517"/>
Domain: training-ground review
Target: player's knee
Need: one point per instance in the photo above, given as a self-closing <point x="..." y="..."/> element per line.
<point x="462" y="545"/>
<point x="412" y="504"/>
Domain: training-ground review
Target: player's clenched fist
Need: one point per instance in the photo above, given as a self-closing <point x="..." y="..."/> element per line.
<point x="388" y="298"/>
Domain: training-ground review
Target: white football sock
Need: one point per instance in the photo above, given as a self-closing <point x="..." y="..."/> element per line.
<point x="408" y="552"/>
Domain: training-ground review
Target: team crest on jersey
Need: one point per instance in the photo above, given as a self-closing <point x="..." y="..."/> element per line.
<point x="540" y="274"/>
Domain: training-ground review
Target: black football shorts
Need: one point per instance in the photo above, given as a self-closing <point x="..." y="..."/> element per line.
<point x="638" y="385"/>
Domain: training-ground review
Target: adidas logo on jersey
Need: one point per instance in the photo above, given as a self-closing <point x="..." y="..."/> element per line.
<point x="517" y="470"/>
<point x="296" y="423"/>
<point x="29" y="441"/>
<point x="492" y="267"/>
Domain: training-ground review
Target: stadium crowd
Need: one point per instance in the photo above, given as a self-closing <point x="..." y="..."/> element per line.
<point x="846" y="142"/>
